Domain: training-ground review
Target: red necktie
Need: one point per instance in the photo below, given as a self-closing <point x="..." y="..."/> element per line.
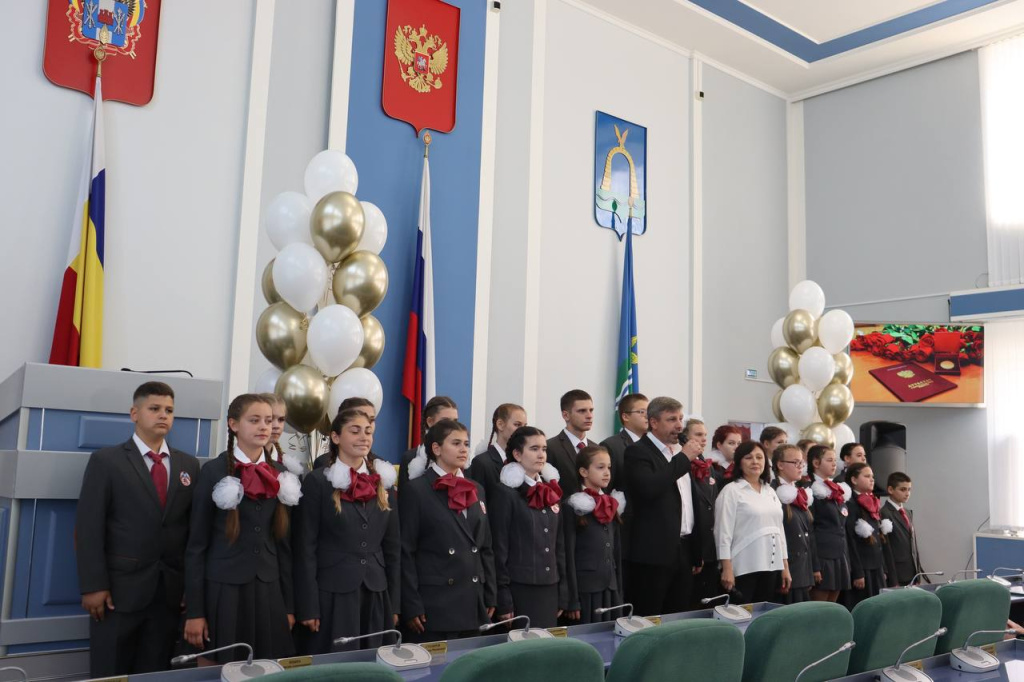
<point x="870" y="504"/>
<point x="700" y="468"/>
<point x="362" y="489"/>
<point x="605" y="506"/>
<point x="259" y="481"/>
<point x="543" y="494"/>
<point x="835" y="492"/>
<point x="800" y="501"/>
<point x="580" y="446"/>
<point x="906" y="519"/>
<point x="461" y="491"/>
<point x="159" y="474"/>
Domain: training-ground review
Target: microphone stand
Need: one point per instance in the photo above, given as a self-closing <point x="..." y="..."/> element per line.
<point x="845" y="647"/>
<point x="399" y="656"/>
<point x="236" y="671"/>
<point x="627" y="625"/>
<point x="897" y="673"/>
<point x="519" y="635"/>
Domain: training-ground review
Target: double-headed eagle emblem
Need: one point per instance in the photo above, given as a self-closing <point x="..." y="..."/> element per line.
<point x="424" y="57"/>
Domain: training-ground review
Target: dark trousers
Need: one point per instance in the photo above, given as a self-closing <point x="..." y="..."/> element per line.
<point x="655" y="590"/>
<point x="130" y="643"/>
<point x="757" y="587"/>
<point x="707" y="584"/>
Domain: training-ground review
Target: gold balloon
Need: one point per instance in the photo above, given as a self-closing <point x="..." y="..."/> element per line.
<point x="777" y="406"/>
<point x="835" y="404"/>
<point x="844" y="369"/>
<point x="360" y="282"/>
<point x="782" y="366"/>
<point x="305" y="395"/>
<point x="800" y="330"/>
<point x="820" y="434"/>
<point x="281" y="335"/>
<point x="336" y="225"/>
<point x="267" y="283"/>
<point x="373" y="343"/>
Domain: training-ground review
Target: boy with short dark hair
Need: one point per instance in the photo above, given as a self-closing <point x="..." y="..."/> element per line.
<point x="902" y="559"/>
<point x="578" y="415"/>
<point x="131" y="528"/>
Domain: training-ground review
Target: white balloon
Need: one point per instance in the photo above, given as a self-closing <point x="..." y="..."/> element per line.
<point x="816" y="368"/>
<point x="843" y="435"/>
<point x="330" y="171"/>
<point x="375" y="229"/>
<point x="266" y="381"/>
<point x="777" y="338"/>
<point x="835" y="330"/>
<point x="300" y="276"/>
<point x="807" y="295"/>
<point x="798" y="406"/>
<point x="358" y="382"/>
<point x="286" y="219"/>
<point x="792" y="433"/>
<point x="335" y="338"/>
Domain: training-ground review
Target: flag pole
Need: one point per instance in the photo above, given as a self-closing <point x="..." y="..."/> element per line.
<point x="426" y="145"/>
<point x="100" y="54"/>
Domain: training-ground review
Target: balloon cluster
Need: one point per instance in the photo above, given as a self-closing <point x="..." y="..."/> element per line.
<point x="321" y="288"/>
<point x="812" y="369"/>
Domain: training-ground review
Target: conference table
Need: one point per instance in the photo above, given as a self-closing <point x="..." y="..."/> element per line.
<point x="1010" y="654"/>
<point x="601" y="636"/>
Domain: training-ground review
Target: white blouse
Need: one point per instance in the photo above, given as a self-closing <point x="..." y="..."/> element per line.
<point x="748" y="528"/>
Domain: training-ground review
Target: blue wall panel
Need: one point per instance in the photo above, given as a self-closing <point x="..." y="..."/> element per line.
<point x="390" y="160"/>
<point x="9" y="431"/>
<point x="999" y="552"/>
<point x="5" y="531"/>
<point x="23" y="558"/>
<point x="47" y="646"/>
<point x="73" y="431"/>
<point x="46" y="574"/>
<point x="35" y="428"/>
<point x="203" y="448"/>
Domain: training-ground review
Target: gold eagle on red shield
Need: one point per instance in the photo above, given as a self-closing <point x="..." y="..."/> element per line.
<point x="424" y="57"/>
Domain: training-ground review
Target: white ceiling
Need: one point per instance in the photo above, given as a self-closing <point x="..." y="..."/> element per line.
<point x="823" y="20"/>
<point x="689" y="27"/>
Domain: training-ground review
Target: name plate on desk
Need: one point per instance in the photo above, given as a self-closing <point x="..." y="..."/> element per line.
<point x="654" y="619"/>
<point x="916" y="664"/>
<point x="989" y="649"/>
<point x="748" y="607"/>
<point x="436" y="648"/>
<point x="559" y="632"/>
<point x="295" y="662"/>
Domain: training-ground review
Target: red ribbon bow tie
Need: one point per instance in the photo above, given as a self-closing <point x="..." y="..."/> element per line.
<point x="800" y="501"/>
<point x="871" y="505"/>
<point x="461" y="491"/>
<point x="835" y="492"/>
<point x="605" y="506"/>
<point x="363" y="487"/>
<point x="728" y="472"/>
<point x="700" y="468"/>
<point x="543" y="494"/>
<point x="259" y="481"/>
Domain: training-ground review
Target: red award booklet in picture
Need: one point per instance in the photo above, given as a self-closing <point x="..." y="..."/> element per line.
<point x="911" y="383"/>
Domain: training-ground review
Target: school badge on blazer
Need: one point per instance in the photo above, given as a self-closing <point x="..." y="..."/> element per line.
<point x="126" y="30"/>
<point x="185" y="479"/>
<point x="421" y="55"/>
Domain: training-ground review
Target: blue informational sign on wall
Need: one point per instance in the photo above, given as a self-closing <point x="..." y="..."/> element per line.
<point x="620" y="174"/>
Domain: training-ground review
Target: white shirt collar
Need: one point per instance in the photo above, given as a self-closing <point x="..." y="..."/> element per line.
<point x="244" y="458"/>
<point x="894" y="504"/>
<point x="632" y="435"/>
<point x="441" y="472"/>
<point x="144" y="449"/>
<point x="574" y="440"/>
<point x="501" y="451"/>
<point x="674" y="449"/>
<point x="529" y="481"/>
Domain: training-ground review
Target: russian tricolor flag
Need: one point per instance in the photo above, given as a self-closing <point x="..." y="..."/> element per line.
<point x="78" y="331"/>
<point x="418" y="384"/>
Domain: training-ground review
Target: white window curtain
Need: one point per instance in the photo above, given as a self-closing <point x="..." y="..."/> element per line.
<point x="1002" y="115"/>
<point x="1004" y="402"/>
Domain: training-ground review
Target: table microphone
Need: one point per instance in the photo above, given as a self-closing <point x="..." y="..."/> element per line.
<point x="728" y="613"/>
<point x="1014" y="572"/>
<point x="965" y="571"/>
<point x="899" y="673"/>
<point x="401" y="656"/>
<point x="845" y="647"/>
<point x="236" y="671"/>
<point x="924" y="573"/>
<point x="518" y="635"/>
<point x="626" y="626"/>
<point x="24" y="675"/>
<point x="972" y="659"/>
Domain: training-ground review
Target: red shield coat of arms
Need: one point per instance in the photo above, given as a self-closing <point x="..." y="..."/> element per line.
<point x="125" y="29"/>
<point x="421" y="56"/>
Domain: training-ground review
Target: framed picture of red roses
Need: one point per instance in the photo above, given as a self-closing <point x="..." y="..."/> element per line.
<point x="919" y="364"/>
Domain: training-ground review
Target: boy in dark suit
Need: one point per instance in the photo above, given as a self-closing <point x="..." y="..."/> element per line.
<point x="633" y="416"/>
<point x="578" y="414"/>
<point x="131" y="527"/>
<point x="902" y="559"/>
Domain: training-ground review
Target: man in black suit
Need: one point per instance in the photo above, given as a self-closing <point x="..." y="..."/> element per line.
<point x="632" y="411"/>
<point x="902" y="560"/>
<point x="705" y="487"/>
<point x="131" y="528"/>
<point x="578" y="414"/>
<point x="664" y="551"/>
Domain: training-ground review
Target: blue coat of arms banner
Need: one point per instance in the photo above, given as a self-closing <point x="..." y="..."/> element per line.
<point x="620" y="174"/>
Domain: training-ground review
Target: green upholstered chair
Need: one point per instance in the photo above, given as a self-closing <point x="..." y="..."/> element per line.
<point x="968" y="606"/>
<point x="338" y="672"/>
<point x="885" y="625"/>
<point x="538" y="660"/>
<point x="694" y="650"/>
<point x="781" y="642"/>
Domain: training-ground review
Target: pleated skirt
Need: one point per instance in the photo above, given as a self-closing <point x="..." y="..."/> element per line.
<point x="873" y="583"/>
<point x="598" y="600"/>
<point x="253" y="613"/>
<point x="539" y="602"/>
<point x="835" y="574"/>
<point x="348" y="614"/>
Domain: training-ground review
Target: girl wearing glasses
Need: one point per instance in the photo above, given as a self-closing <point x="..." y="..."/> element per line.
<point x="798" y="521"/>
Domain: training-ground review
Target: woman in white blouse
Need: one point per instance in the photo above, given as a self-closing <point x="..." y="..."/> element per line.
<point x="749" y="533"/>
